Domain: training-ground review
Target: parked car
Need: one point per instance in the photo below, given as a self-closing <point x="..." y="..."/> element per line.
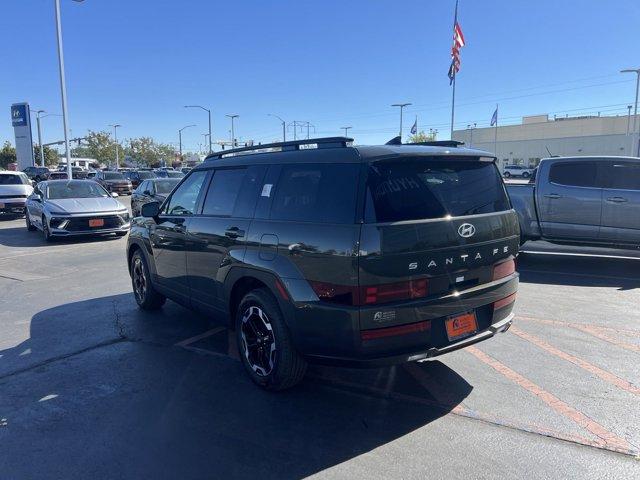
<point x="360" y="256"/>
<point x="153" y="190"/>
<point x="581" y="200"/>
<point x="114" y="182"/>
<point x="169" y="173"/>
<point x="91" y="174"/>
<point x="517" y="171"/>
<point x="37" y="174"/>
<point x="185" y="170"/>
<point x="58" y="175"/>
<point x="63" y="208"/>
<point x="138" y="176"/>
<point x="15" y="187"/>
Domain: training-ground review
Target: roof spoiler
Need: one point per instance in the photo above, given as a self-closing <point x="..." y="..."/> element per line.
<point x="432" y="143"/>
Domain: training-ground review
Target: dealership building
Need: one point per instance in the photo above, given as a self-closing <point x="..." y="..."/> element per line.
<point x="539" y="136"/>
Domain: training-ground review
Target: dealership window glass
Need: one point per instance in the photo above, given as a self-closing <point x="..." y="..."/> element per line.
<point x="577" y="174"/>
<point x="623" y="175"/>
<point x="427" y="188"/>
<point x="321" y="193"/>
<point x="223" y="191"/>
<point x="184" y="199"/>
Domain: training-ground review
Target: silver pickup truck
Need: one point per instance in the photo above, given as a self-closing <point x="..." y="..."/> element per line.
<point x="581" y="200"/>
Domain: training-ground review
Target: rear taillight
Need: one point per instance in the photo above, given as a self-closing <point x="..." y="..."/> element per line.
<point x="504" y="301"/>
<point x="393" y="331"/>
<point x="370" y="294"/>
<point x="504" y="269"/>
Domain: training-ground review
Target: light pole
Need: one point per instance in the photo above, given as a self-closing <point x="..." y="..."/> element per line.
<point x="115" y="139"/>
<point x="346" y="130"/>
<point x="63" y="86"/>
<point x="233" y="116"/>
<point x="209" y="112"/>
<point x="40" y="137"/>
<point x="401" y="105"/>
<point x="629" y="107"/>
<point x="636" y="143"/>
<point x="180" y="138"/>
<point x="205" y="135"/>
<point x="470" y="128"/>
<point x="284" y="126"/>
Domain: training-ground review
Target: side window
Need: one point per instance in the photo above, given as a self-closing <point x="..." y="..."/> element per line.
<point x="622" y="175"/>
<point x="577" y="174"/>
<point x="223" y="191"/>
<point x="322" y="193"/>
<point x="142" y="187"/>
<point x="184" y="198"/>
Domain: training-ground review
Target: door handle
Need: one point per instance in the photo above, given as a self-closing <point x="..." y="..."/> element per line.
<point x="233" y="232"/>
<point x="617" y="199"/>
<point x="552" y="195"/>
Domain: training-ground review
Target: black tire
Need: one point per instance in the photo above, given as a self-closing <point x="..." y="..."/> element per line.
<point x="264" y="343"/>
<point x="506" y="174"/>
<point x="45" y="231"/>
<point x="30" y="226"/>
<point x="144" y="292"/>
<point x="526" y="174"/>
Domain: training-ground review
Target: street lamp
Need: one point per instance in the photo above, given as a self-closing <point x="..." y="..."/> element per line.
<point x="63" y="86"/>
<point x="284" y="128"/>
<point x="209" y="112"/>
<point x="205" y="135"/>
<point x="115" y="138"/>
<point x="401" y="105"/>
<point x="233" y="116"/>
<point x="636" y="142"/>
<point x="40" y="137"/>
<point x="346" y="130"/>
<point x="180" y="138"/>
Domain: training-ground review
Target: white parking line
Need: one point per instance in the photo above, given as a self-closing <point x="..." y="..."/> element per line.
<point x="194" y="339"/>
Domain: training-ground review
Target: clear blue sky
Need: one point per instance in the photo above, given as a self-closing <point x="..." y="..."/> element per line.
<point x="334" y="63"/>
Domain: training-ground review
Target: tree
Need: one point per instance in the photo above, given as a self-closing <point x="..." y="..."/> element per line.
<point x="422" y="137"/>
<point x="7" y="155"/>
<point x="51" y="157"/>
<point x="144" y="150"/>
<point x="99" y="145"/>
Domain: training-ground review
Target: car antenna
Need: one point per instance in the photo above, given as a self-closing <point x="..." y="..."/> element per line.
<point x="549" y="152"/>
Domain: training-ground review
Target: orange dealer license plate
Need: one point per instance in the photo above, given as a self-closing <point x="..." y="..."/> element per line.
<point x="461" y="326"/>
<point x="96" y="222"/>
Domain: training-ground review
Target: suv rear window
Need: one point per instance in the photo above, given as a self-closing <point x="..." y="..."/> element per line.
<point x="427" y="188"/>
<point x="319" y="193"/>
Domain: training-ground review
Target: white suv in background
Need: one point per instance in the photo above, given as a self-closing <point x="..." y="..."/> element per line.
<point x="517" y="171"/>
<point x="15" y="187"/>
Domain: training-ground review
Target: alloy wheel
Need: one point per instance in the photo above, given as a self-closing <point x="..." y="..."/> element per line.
<point x="139" y="280"/>
<point x="258" y="341"/>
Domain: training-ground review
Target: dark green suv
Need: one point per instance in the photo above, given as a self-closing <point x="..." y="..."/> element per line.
<point x="320" y="251"/>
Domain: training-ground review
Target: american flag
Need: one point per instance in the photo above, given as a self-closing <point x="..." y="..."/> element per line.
<point x="458" y="43"/>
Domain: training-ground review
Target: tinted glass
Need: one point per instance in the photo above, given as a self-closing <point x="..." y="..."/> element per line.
<point x="164" y="187"/>
<point x="14" y="179"/>
<point x="172" y="174"/>
<point x="623" y="175"/>
<point x="81" y="189"/>
<point x="223" y="191"/>
<point x="145" y="175"/>
<point x="322" y="193"/>
<point x="577" y="174"/>
<point x="426" y="188"/>
<point x="113" y="176"/>
<point x="183" y="201"/>
<point x="142" y="187"/>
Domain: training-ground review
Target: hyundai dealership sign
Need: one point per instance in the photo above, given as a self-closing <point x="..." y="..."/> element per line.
<point x="21" y="121"/>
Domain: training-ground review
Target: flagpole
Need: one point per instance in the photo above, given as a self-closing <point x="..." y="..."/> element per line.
<point x="495" y="134"/>
<point x="453" y="93"/>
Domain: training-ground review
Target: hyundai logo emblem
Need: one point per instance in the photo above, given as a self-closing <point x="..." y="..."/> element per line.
<point x="466" y="230"/>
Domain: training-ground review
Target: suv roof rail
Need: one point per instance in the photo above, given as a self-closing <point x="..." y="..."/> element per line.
<point x="326" y="142"/>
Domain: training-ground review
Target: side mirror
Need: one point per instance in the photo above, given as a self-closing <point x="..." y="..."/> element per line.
<point x="150" y="210"/>
<point x="36" y="198"/>
<point x="33" y="183"/>
<point x="114" y="195"/>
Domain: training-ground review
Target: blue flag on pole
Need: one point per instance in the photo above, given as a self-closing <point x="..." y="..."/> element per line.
<point x="494" y="117"/>
<point x="414" y="128"/>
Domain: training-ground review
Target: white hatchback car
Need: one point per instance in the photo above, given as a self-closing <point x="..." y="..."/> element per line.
<point x="15" y="187"/>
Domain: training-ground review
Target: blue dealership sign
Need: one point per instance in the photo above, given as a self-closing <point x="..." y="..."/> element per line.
<point x="19" y="115"/>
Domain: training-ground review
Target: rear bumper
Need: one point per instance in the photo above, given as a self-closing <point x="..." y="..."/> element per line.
<point x="12" y="206"/>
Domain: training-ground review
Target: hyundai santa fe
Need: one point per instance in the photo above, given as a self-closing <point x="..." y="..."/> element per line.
<point x="321" y="251"/>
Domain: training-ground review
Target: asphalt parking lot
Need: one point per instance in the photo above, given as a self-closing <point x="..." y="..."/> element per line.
<point x="92" y="387"/>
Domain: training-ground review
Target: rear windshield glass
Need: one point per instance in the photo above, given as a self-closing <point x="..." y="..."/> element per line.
<point x="165" y="186"/>
<point x="146" y="175"/>
<point x="113" y="176"/>
<point x="426" y="188"/>
<point x="14" y="179"/>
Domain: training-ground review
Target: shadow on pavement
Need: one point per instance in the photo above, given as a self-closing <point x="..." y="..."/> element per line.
<point x="579" y="271"/>
<point x="21" y="237"/>
<point x="100" y="390"/>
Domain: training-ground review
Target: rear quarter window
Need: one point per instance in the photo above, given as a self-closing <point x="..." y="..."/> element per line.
<point x="319" y="193"/>
<point x="429" y="188"/>
<point x="575" y="174"/>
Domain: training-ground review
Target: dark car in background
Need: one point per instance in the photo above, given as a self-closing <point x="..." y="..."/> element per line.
<point x="359" y="256"/>
<point x="37" y="174"/>
<point x="165" y="173"/>
<point x="138" y="176"/>
<point x="114" y="182"/>
<point x="153" y="190"/>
